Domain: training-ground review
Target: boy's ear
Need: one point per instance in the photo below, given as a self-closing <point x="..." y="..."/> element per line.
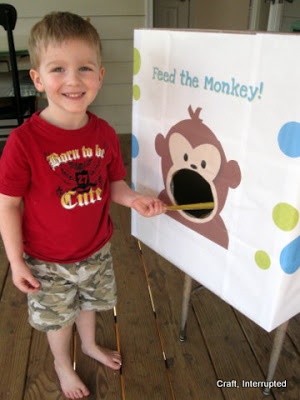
<point x="36" y="79"/>
<point x="101" y="76"/>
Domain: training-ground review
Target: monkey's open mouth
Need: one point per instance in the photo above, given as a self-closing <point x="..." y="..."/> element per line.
<point x="190" y="187"/>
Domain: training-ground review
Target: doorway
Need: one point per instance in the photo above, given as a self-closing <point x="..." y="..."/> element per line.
<point x="171" y="14"/>
<point x="201" y="14"/>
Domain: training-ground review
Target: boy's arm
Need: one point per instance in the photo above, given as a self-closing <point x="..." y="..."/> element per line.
<point x="11" y="232"/>
<point x="147" y="206"/>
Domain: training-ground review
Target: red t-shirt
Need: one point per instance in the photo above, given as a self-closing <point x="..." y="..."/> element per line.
<point x="64" y="178"/>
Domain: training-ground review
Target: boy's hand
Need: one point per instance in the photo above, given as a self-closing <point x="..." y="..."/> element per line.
<point x="148" y="206"/>
<point x="23" y="279"/>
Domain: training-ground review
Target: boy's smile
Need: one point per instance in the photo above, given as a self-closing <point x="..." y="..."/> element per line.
<point x="71" y="75"/>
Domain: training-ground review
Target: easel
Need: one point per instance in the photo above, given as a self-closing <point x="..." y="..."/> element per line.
<point x="277" y="343"/>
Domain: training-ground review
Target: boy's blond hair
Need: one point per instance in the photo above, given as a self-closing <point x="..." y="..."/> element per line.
<point x="58" y="27"/>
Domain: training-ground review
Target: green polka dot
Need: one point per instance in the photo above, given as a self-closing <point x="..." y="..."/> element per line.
<point x="285" y="216"/>
<point x="136" y="92"/>
<point x="262" y="259"/>
<point x="136" y="61"/>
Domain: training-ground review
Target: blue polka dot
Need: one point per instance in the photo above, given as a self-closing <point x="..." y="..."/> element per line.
<point x="135" y="148"/>
<point x="289" y="139"/>
<point x="290" y="256"/>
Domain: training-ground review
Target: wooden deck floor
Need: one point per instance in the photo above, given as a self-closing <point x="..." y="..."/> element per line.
<point x="222" y="345"/>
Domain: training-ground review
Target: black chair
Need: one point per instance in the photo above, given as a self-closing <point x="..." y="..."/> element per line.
<point x="14" y="107"/>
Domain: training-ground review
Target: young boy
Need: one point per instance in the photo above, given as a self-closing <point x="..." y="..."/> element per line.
<point x="64" y="165"/>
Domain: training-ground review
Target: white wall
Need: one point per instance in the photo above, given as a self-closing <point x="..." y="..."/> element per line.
<point x="115" y="20"/>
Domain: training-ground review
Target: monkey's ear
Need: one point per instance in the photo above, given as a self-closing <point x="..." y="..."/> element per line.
<point x="160" y="143"/>
<point x="233" y="174"/>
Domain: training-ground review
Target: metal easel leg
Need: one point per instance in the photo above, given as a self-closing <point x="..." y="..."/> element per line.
<point x="187" y="289"/>
<point x="276" y="350"/>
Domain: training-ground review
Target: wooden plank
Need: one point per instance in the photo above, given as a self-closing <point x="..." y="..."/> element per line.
<point x="122" y="128"/>
<point x="118" y="72"/>
<point x="114" y="114"/>
<point x="293" y="331"/>
<point x="89" y="7"/>
<point x="114" y="95"/>
<point x="3" y="264"/>
<point x="143" y="363"/>
<point x="117" y="116"/>
<point x="288" y="365"/>
<point x="117" y="27"/>
<point x="229" y="350"/>
<point x="192" y="374"/>
<point x="42" y="381"/>
<point x="109" y="26"/>
<point x="117" y="50"/>
<point x="15" y="336"/>
<point x="125" y="143"/>
<point x="103" y="382"/>
<point x="113" y="30"/>
<point x="2" y="144"/>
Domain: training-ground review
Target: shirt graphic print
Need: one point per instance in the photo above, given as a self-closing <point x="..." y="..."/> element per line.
<point x="82" y="184"/>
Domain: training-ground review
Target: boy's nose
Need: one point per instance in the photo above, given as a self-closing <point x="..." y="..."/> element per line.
<point x="73" y="78"/>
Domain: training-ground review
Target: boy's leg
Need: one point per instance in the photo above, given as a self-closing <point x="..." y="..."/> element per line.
<point x="86" y="327"/>
<point x="60" y="341"/>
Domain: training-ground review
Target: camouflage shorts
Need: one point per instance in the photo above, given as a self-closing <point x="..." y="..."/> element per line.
<point x="66" y="289"/>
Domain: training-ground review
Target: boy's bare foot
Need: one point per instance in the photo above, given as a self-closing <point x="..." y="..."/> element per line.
<point x="71" y="384"/>
<point x="110" y="358"/>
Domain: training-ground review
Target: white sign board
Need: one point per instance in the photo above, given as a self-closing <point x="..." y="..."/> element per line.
<point x="216" y="118"/>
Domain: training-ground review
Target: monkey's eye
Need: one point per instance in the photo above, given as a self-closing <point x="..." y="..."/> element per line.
<point x="203" y="164"/>
<point x="185" y="157"/>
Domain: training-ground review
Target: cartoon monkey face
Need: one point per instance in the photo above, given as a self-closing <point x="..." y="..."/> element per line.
<point x="195" y="170"/>
<point x="191" y="176"/>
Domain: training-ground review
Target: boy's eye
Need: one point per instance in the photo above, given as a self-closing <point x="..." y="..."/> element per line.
<point x="57" y="69"/>
<point x="85" y="69"/>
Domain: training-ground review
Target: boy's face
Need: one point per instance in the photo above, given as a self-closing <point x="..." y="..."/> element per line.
<point x="71" y="75"/>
